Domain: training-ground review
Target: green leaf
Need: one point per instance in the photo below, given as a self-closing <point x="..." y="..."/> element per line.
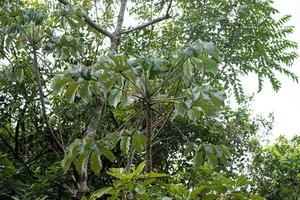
<point x="125" y="144"/>
<point x="83" y="197"/>
<point x="58" y="85"/>
<point x="70" y="153"/>
<point x="140" y="189"/>
<point x="95" y="87"/>
<point x="198" y="159"/>
<point x="155" y="175"/>
<point x="85" y="92"/>
<point x="126" y="100"/>
<point x="138" y="142"/>
<point x="96" y="164"/>
<point x="80" y="161"/>
<point x="211" y="156"/>
<point x="218" y="186"/>
<point x="19" y="74"/>
<point x="120" y="62"/>
<point x="256" y="197"/>
<point x="66" y="162"/>
<point x="140" y="167"/>
<point x="114" y="97"/>
<point x="188" y="68"/>
<point x="71" y="92"/>
<point x="211" y="65"/>
<point x="71" y="22"/>
<point x="195" y="113"/>
<point x="198" y="64"/>
<point x="242" y="181"/>
<point x="188" y="148"/>
<point x="99" y="193"/>
<point x="210" y="197"/>
<point x="108" y="154"/>
<point x="197" y="190"/>
<point x="239" y="195"/>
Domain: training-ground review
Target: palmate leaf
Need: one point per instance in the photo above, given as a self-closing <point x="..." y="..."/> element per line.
<point x="81" y="150"/>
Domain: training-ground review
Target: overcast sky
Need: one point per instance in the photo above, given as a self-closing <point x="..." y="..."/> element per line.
<point x="285" y="104"/>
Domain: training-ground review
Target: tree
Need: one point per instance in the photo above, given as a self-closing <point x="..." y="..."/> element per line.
<point x="64" y="90"/>
<point x="275" y="169"/>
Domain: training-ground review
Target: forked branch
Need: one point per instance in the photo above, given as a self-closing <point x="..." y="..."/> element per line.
<point x="90" y="22"/>
<point x="154" y="21"/>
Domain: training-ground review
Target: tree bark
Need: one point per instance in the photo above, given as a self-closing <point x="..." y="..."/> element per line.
<point x="148" y="166"/>
<point x="90" y="133"/>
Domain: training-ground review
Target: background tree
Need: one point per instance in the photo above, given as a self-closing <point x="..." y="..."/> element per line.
<point x="275" y="169"/>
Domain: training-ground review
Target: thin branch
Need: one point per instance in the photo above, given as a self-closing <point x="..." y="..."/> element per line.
<point x="184" y="136"/>
<point x="38" y="156"/>
<point x="4" y="55"/>
<point x="169" y="7"/>
<point x="38" y="81"/>
<point x="141" y="98"/>
<point x="124" y="75"/>
<point x="90" y="22"/>
<point x="9" y="147"/>
<point x="167" y="118"/>
<point x="154" y="21"/>
<point x="167" y="78"/>
<point x="129" y="118"/>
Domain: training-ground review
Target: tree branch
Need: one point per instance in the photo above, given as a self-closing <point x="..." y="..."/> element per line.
<point x="37" y="75"/>
<point x="154" y="21"/>
<point x="90" y="22"/>
<point x="120" y="17"/>
<point x="115" y="39"/>
<point x="178" y="129"/>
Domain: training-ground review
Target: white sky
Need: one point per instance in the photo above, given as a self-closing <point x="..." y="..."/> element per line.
<point x="285" y="104"/>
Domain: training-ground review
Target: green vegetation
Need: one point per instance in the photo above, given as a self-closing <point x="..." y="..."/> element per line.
<point x="95" y="107"/>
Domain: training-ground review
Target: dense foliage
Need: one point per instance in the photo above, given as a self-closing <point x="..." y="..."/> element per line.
<point x="122" y="99"/>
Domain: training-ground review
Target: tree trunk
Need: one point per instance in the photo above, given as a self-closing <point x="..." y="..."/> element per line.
<point x="91" y="132"/>
<point x="148" y="166"/>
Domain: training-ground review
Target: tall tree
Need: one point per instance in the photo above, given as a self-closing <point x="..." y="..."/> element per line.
<point x="122" y="83"/>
